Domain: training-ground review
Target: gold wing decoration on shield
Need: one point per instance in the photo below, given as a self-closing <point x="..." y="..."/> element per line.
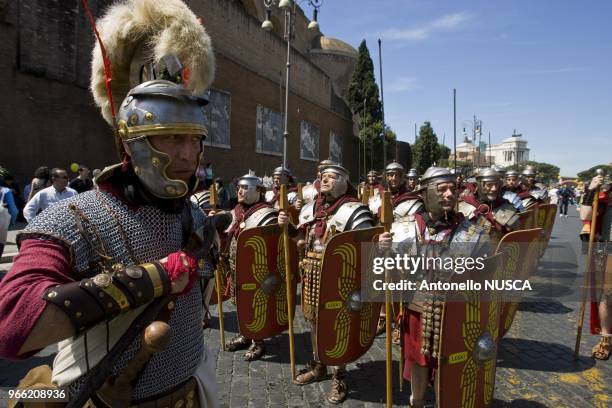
<point x="281" y="293"/>
<point x="346" y="284"/>
<point x="471" y="332"/>
<point x="493" y="325"/>
<point x="260" y="271"/>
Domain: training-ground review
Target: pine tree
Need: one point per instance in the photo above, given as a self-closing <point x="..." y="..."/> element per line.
<point x="426" y="150"/>
<point x="363" y="87"/>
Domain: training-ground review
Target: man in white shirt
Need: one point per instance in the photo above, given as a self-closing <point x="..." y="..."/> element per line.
<point x="58" y="191"/>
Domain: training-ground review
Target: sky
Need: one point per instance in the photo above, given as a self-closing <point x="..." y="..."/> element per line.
<point x="542" y="67"/>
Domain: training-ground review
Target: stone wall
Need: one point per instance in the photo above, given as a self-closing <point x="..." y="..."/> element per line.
<point x="47" y="116"/>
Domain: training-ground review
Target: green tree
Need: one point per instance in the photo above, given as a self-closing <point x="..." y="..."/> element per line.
<point x="363" y="95"/>
<point x="547" y="173"/>
<point x="587" y="175"/>
<point x="426" y="150"/>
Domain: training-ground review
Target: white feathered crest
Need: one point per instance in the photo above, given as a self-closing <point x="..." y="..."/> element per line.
<point x="149" y="30"/>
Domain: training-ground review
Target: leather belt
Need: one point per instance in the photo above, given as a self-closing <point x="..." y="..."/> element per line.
<point x="184" y="395"/>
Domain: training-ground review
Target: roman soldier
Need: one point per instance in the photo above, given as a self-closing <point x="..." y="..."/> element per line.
<point x="431" y="232"/>
<point x="532" y="191"/>
<point x="506" y="193"/>
<point x="487" y="208"/>
<point x="109" y="274"/>
<point x="251" y="211"/>
<point x="405" y="204"/>
<point x="601" y="273"/>
<point x="335" y="210"/>
<point x="412" y="179"/>
<point x="374" y="183"/>
<point x="310" y="191"/>
<point x="281" y="176"/>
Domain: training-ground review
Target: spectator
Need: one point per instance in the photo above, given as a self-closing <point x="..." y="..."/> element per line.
<point x="8" y="214"/>
<point x="40" y="181"/>
<point x="553" y="194"/>
<point x="47" y="196"/>
<point x="565" y="194"/>
<point x="82" y="182"/>
<point x="209" y="175"/>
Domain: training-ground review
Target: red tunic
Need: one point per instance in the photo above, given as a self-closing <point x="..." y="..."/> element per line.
<point x="39" y="265"/>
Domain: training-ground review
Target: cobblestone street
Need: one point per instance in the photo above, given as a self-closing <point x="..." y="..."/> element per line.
<point x="535" y="363"/>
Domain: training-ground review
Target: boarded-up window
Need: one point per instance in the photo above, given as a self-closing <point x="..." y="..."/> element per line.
<point x="335" y="147"/>
<point x="269" y="131"/>
<point x="218" y="114"/>
<point x="309" y="141"/>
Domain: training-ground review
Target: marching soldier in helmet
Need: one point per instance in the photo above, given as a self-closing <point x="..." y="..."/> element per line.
<point x="487" y="207"/>
<point x="601" y="278"/>
<point x="507" y="193"/>
<point x="337" y="210"/>
<point x="405" y="203"/>
<point x="374" y="183"/>
<point x="412" y="179"/>
<point x="251" y="211"/>
<point x="96" y="269"/>
<point x="311" y="191"/>
<point x="281" y="176"/>
<point x="430" y="232"/>
<point x="532" y="191"/>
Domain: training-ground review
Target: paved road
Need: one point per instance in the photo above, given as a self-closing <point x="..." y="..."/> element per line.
<point x="535" y="363"/>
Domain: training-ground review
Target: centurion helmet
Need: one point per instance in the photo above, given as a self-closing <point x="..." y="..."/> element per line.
<point x="341" y="184"/>
<point x="429" y="188"/>
<point x="486" y="176"/>
<point x="159" y="108"/>
<point x="394" y="167"/>
<point x="511" y="173"/>
<point x="529" y="171"/>
<point x="162" y="62"/>
<point x="254" y="187"/>
<point x="500" y="169"/>
<point x="324" y="163"/>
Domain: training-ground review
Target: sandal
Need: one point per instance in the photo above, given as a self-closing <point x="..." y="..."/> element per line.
<point x="314" y="371"/>
<point x="206" y="319"/>
<point x="339" y="389"/>
<point x="238" y="343"/>
<point x="601" y="351"/>
<point x="255" y="351"/>
<point x="395" y="336"/>
<point x="382" y="325"/>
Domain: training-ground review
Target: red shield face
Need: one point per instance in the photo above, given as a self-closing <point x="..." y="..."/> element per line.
<point x="261" y="294"/>
<point x="345" y="325"/>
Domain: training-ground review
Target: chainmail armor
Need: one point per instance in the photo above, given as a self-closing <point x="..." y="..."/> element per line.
<point x="152" y="235"/>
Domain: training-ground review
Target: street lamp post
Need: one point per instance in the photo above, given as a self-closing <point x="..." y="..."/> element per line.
<point x="289" y="8"/>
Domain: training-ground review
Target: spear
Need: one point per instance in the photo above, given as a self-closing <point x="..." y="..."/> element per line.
<point x="214" y="201"/>
<point x="588" y="269"/>
<point x="284" y="206"/>
<point x="386" y="219"/>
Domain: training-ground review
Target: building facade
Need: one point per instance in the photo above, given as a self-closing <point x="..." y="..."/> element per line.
<point x="512" y="150"/>
<point x="48" y="117"/>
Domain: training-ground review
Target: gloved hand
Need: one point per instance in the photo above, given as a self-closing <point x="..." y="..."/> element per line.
<point x="182" y="272"/>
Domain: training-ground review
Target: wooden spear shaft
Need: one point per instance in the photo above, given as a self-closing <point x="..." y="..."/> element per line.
<point x="284" y="206"/>
<point x="587" y="274"/>
<point x="213" y="200"/>
<point x="386" y="219"/>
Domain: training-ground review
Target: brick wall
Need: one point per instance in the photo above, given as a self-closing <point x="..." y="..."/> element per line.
<point x="47" y="116"/>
